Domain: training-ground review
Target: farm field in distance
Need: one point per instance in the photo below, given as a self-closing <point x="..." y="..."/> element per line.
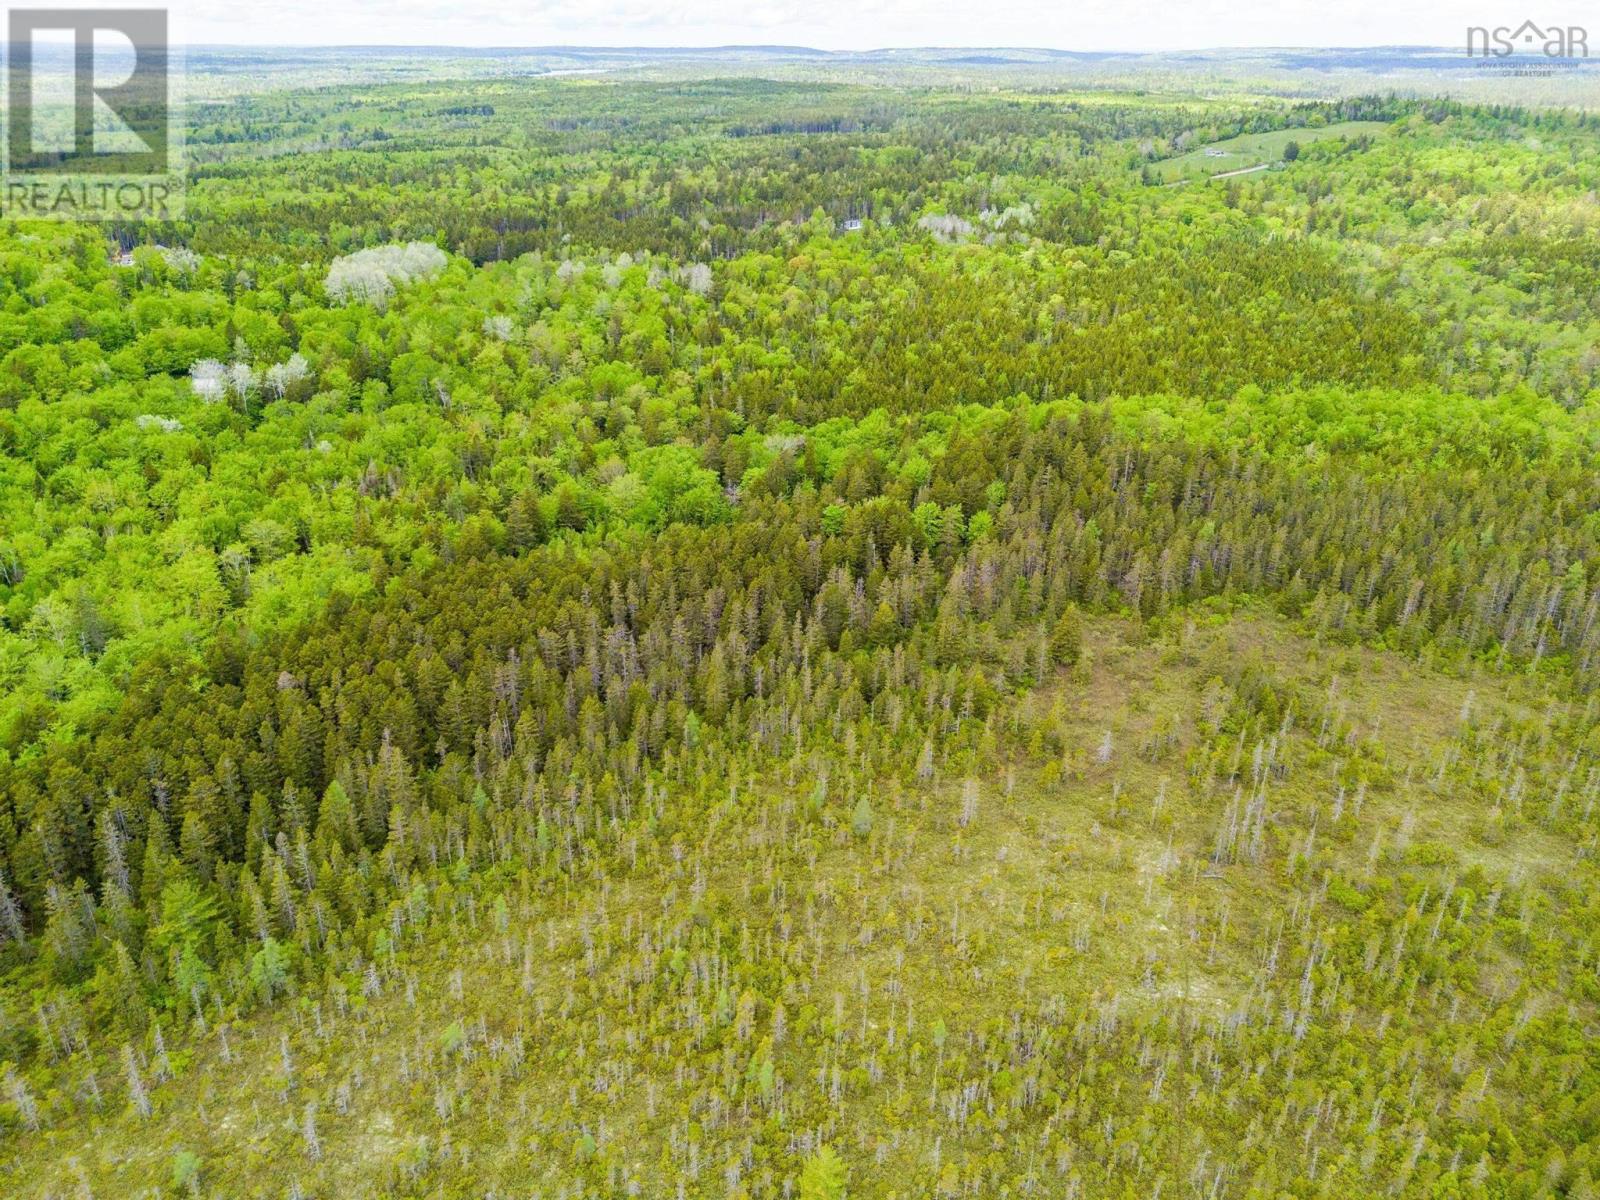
<point x="1256" y="151"/>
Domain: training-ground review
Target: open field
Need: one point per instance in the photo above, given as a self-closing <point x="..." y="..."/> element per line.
<point x="1254" y="150"/>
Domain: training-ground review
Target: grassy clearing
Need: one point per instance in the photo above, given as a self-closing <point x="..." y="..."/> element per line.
<point x="1255" y="150"/>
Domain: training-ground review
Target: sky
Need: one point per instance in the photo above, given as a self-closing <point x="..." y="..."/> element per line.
<point x="854" y="24"/>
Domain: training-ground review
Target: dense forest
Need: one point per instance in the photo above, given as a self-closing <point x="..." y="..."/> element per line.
<point x="738" y="638"/>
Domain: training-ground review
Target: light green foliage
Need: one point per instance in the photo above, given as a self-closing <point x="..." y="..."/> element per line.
<point x="861" y="817"/>
<point x="185" y="1170"/>
<point x="186" y="918"/>
<point x="269" y="969"/>
<point x="823" y="1176"/>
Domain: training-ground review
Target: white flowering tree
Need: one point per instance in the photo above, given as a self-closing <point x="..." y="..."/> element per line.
<point x="696" y="277"/>
<point x="281" y="377"/>
<point x="242" y="381"/>
<point x="209" y="379"/>
<point x="371" y="276"/>
<point x="180" y="259"/>
<point x="945" y="227"/>
<point x="215" y="381"/>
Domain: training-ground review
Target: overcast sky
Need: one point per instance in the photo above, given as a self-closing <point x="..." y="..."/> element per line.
<point x="855" y="24"/>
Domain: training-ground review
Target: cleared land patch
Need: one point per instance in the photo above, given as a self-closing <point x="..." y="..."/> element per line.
<point x="1194" y="832"/>
<point x="1253" y="150"/>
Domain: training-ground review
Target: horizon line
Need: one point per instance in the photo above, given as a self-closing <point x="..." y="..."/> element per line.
<point x="798" y="48"/>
